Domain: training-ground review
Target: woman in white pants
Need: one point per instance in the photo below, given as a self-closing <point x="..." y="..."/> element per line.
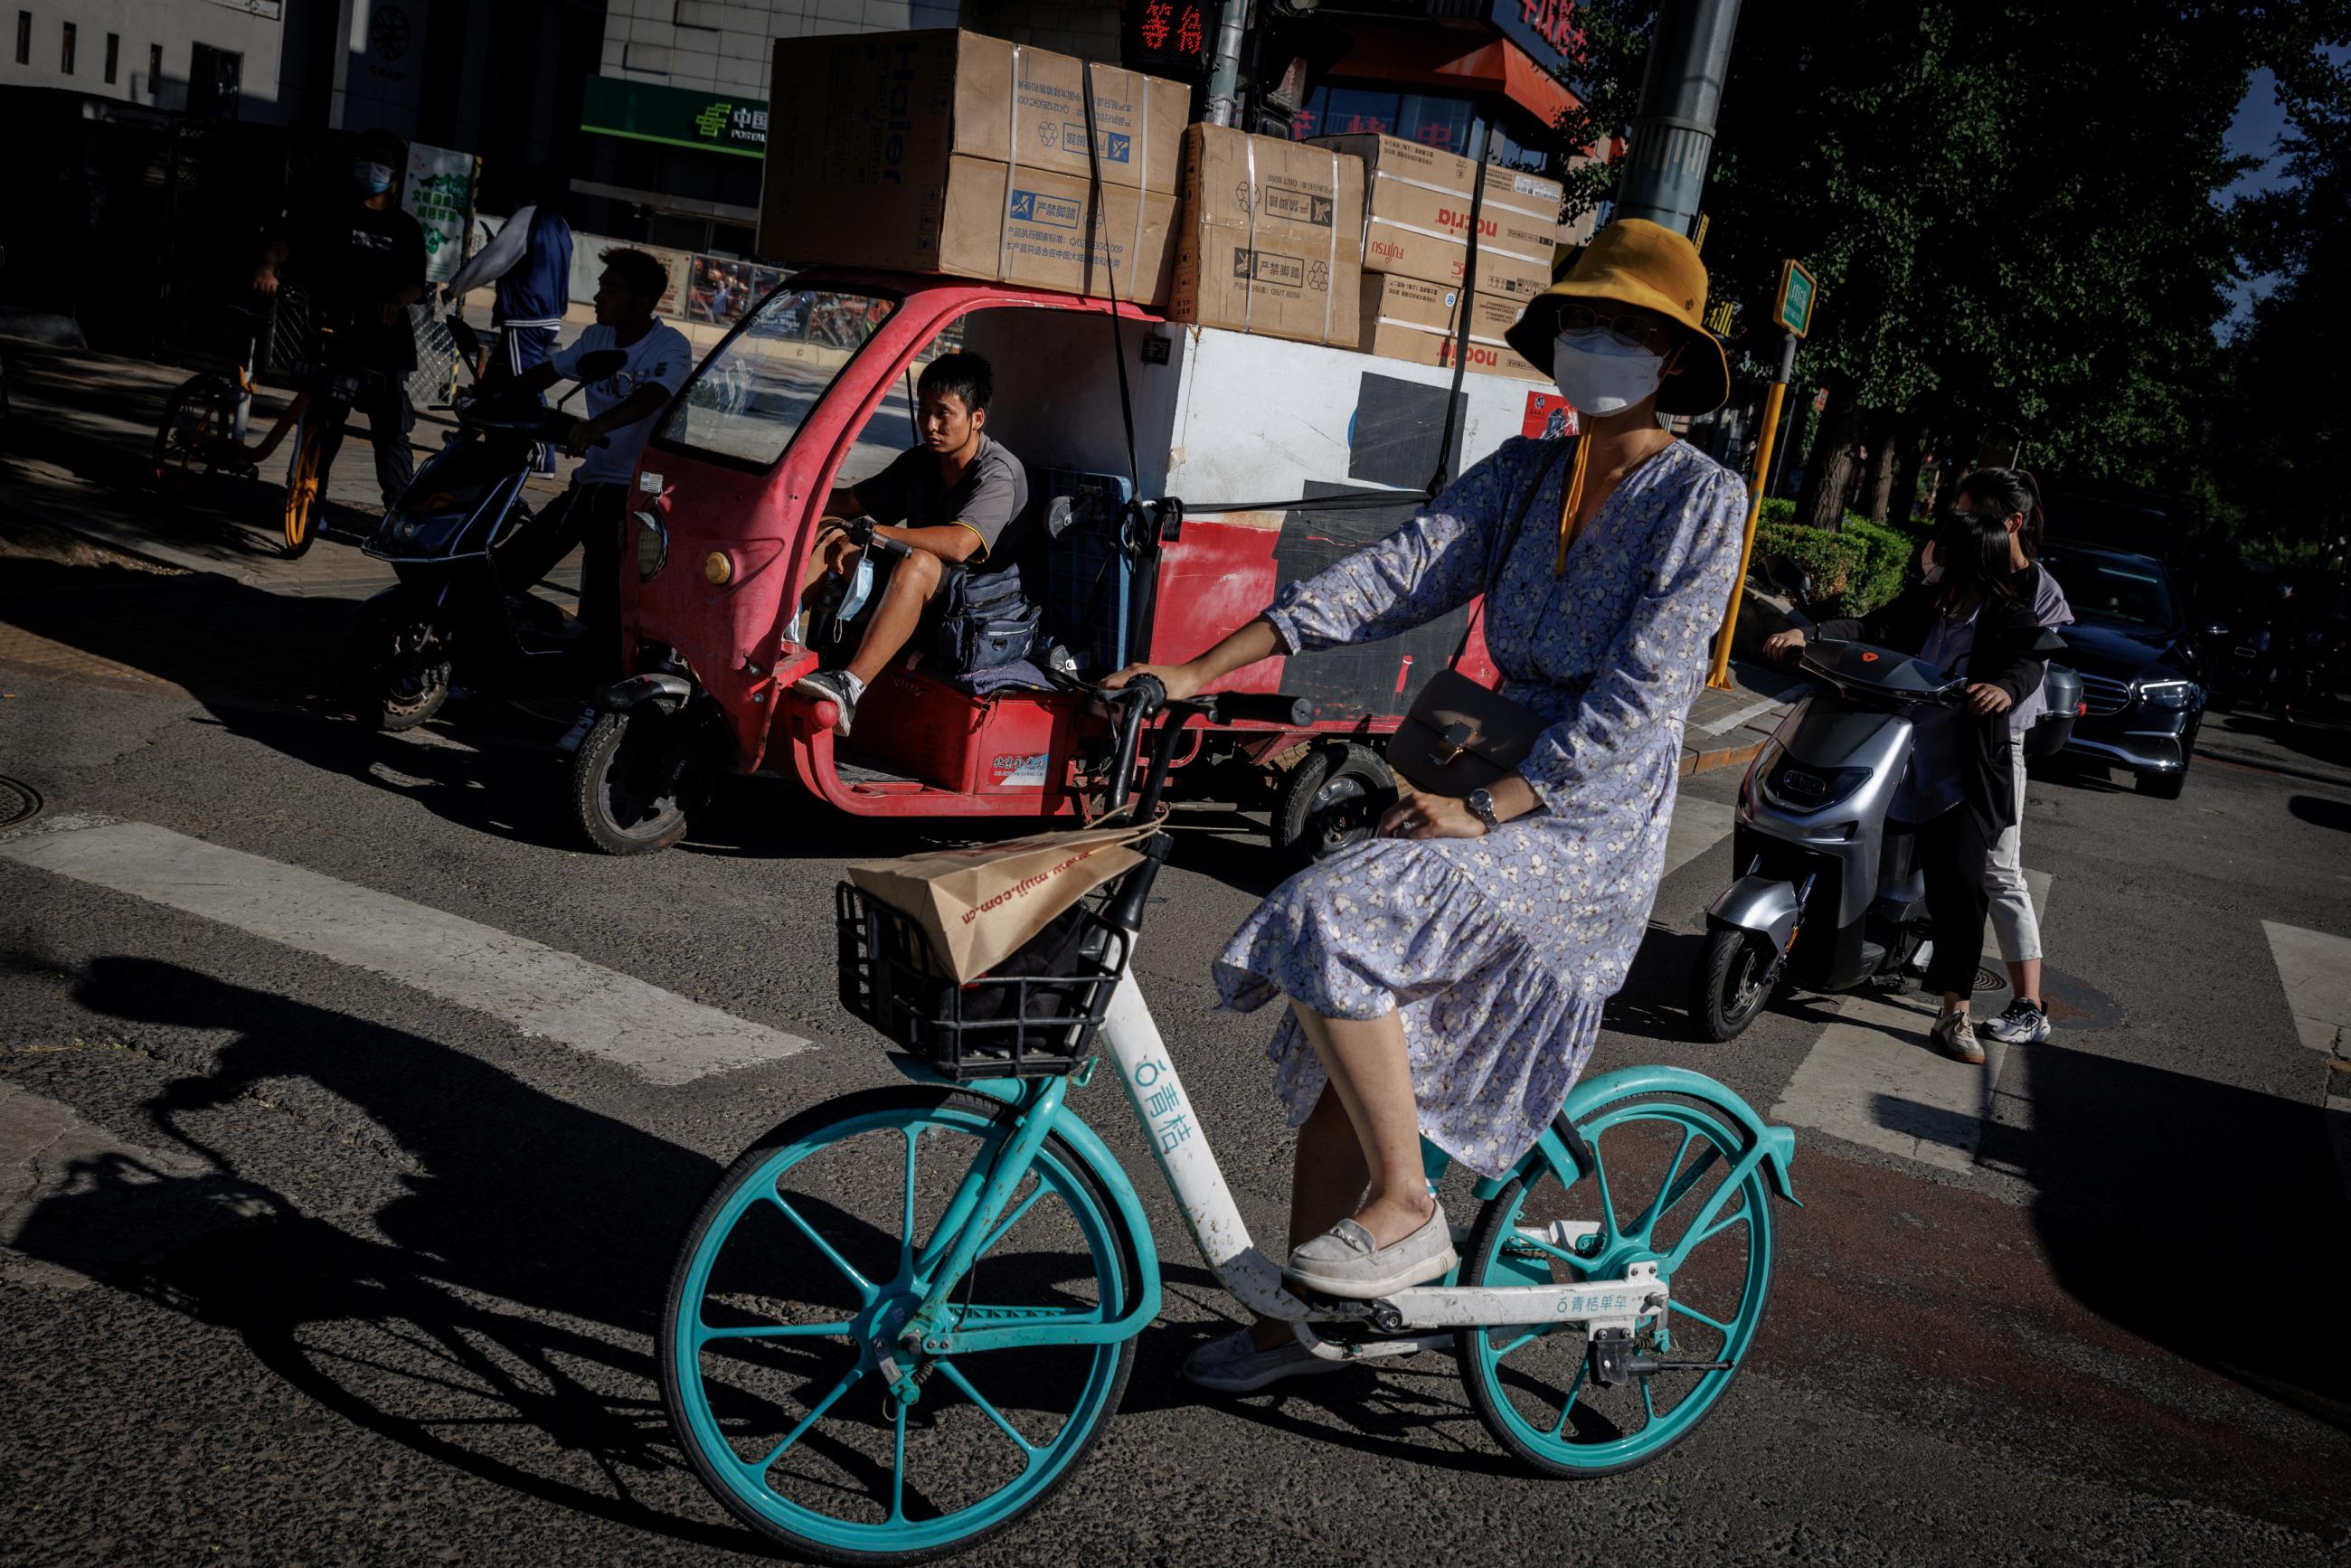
<point x="2016" y="496"/>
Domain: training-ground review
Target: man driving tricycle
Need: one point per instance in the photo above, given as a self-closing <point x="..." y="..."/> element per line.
<point x="950" y="515"/>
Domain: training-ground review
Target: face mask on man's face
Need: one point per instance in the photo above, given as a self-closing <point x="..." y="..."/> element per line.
<point x="1600" y="375"/>
<point x="373" y="179"/>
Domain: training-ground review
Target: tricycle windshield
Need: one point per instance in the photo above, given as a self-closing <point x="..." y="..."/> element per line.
<point x="749" y="398"/>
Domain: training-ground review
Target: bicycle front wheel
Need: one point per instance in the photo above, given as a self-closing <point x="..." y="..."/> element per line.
<point x="814" y="1247"/>
<point x="1663" y="1162"/>
<point x="302" y="497"/>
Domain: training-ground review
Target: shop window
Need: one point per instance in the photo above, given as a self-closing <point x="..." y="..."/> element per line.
<point x="113" y="56"/>
<point x="24" y="37"/>
<point x="66" y="51"/>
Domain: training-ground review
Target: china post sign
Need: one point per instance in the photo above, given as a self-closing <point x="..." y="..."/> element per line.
<point x="674" y="117"/>
<point x="1545" y="30"/>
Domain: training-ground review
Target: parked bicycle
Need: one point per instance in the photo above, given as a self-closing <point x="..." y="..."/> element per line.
<point x="206" y="419"/>
<point x="903" y="1317"/>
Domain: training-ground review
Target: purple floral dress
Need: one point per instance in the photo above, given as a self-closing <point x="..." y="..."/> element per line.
<point x="1501" y="951"/>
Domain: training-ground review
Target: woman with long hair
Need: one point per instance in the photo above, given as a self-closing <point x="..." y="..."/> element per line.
<point x="2015" y="495"/>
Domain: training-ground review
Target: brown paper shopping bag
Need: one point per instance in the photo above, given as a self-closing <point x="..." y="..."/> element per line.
<point x="979" y="903"/>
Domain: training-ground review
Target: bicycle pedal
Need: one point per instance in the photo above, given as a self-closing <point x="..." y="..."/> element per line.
<point x="1381" y="1314"/>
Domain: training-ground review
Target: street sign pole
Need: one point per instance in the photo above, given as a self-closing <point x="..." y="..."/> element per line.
<point x="1793" y="312"/>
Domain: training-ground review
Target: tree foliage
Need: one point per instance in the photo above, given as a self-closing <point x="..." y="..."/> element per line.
<point x="2008" y="206"/>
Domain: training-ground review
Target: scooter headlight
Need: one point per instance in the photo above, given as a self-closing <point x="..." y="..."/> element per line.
<point x="652" y="547"/>
<point x="1792" y="787"/>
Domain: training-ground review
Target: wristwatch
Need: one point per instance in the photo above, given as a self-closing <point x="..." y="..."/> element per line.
<point x="1481" y="806"/>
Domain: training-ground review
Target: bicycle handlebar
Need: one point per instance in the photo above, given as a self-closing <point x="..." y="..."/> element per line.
<point x="1139" y="698"/>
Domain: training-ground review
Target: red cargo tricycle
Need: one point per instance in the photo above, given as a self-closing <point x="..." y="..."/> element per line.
<point x="1114" y="411"/>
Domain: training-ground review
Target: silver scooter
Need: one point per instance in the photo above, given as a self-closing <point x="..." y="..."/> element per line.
<point x="1815" y="856"/>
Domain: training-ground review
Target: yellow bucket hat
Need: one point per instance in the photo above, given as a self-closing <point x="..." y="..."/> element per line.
<point x="1635" y="262"/>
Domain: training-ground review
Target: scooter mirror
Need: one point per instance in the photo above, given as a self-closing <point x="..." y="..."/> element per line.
<point x="1782" y="572"/>
<point x="602" y="362"/>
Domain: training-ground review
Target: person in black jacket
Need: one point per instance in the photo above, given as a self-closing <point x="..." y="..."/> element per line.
<point x="1976" y="620"/>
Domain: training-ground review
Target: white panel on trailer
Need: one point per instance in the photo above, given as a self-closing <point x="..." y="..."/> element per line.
<point x="1261" y="419"/>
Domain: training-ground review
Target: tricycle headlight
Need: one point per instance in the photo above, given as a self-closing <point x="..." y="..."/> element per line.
<point x="652" y="547"/>
<point x="2167" y="694"/>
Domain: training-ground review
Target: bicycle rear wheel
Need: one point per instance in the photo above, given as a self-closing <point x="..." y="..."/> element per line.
<point x="1662" y="1161"/>
<point x="200" y="414"/>
<point x="811" y="1248"/>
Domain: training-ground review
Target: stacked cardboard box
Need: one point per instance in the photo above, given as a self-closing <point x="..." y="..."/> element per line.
<point x="950" y="152"/>
<point x="1411" y="318"/>
<point x="1417" y="217"/>
<point x="1269" y="240"/>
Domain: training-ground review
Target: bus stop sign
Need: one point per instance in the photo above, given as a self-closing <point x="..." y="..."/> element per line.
<point x="1794" y="309"/>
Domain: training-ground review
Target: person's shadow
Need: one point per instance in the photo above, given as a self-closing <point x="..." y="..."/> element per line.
<point x="501" y="1323"/>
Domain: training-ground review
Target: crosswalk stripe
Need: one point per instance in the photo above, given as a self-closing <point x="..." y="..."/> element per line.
<point x="2316" y="969"/>
<point x="662" y="1037"/>
<point x="1698" y="826"/>
<point x="1873" y="1078"/>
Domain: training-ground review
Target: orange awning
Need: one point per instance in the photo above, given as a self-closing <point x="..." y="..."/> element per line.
<point x="1460" y="60"/>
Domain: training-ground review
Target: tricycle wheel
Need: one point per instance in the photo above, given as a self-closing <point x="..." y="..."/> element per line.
<point x="1735" y="979"/>
<point x="1334" y="798"/>
<point x="814" y="1246"/>
<point x="636" y="781"/>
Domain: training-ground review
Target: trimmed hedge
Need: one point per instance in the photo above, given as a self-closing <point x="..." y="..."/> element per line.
<point x="1854" y="570"/>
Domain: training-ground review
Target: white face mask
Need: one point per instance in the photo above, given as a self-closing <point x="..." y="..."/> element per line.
<point x="1600" y="375"/>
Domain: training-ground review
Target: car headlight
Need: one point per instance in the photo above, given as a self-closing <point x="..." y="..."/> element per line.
<point x="2167" y="694"/>
<point x="652" y="547"/>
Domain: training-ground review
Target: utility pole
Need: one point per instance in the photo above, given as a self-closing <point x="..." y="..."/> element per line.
<point x="1672" y="136"/>
<point x="1224" y="65"/>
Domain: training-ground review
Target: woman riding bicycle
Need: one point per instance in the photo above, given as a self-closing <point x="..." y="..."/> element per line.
<point x="1447" y="978"/>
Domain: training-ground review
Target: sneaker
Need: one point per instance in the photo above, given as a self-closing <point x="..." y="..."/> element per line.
<point x="1234" y="1365"/>
<point x="2024" y="1023"/>
<point x="836" y="686"/>
<point x="1344" y="1260"/>
<point x="1955" y="1037"/>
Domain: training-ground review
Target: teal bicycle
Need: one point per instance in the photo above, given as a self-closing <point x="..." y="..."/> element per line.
<point x="902" y="1318"/>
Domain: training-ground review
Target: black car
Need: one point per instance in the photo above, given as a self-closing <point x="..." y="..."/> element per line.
<point x="2142" y="671"/>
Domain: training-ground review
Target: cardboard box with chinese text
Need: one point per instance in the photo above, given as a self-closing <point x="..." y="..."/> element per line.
<point x="1268" y="243"/>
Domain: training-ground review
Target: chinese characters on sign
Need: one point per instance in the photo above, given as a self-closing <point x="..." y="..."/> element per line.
<point x="1545" y="30"/>
<point x="439" y="195"/>
<point x="1169" y="37"/>
<point x="1163" y="1106"/>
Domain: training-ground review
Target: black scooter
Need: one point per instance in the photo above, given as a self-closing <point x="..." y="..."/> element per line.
<point x="453" y="611"/>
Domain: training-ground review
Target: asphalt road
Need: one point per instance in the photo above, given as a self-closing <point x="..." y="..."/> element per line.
<point x="307" y="1255"/>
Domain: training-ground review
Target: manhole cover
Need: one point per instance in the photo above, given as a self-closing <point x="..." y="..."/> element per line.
<point x="18" y="802"/>
<point x="2074" y="1003"/>
<point x="1986" y="980"/>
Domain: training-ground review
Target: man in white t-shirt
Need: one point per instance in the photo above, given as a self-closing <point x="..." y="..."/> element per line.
<point x="621" y="408"/>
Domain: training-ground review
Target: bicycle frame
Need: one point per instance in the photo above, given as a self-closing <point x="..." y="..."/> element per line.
<point x="1422" y="1315"/>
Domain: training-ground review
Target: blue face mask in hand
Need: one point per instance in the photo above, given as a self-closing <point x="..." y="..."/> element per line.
<point x="1598" y="374"/>
<point x="373" y="179"/>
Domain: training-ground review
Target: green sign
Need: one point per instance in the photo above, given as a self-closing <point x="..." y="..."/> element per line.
<point x="1794" y="310"/>
<point x="643" y="111"/>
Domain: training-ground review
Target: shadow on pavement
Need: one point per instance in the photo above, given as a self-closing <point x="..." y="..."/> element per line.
<point x="498" y="1319"/>
<point x="2321" y="812"/>
<point x="2187" y="1211"/>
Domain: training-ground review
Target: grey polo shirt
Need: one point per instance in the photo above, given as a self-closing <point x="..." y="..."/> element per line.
<point x="992" y="492"/>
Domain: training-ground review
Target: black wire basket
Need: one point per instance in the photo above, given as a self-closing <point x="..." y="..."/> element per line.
<point x="1034" y="1016"/>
